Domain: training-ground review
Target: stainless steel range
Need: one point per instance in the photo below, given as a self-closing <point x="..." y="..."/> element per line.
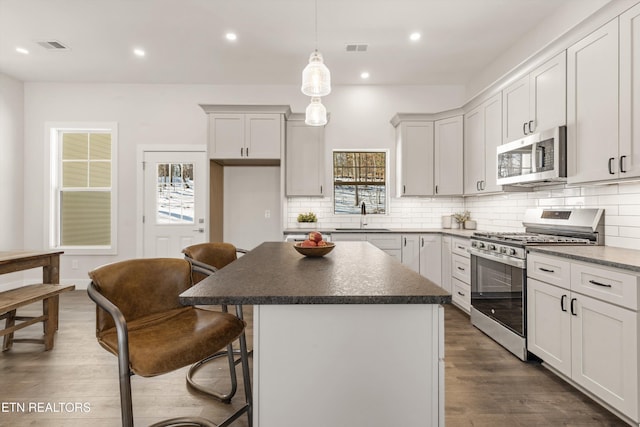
<point x="499" y="268"/>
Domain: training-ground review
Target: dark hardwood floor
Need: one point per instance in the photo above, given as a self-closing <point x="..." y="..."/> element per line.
<point x="485" y="385"/>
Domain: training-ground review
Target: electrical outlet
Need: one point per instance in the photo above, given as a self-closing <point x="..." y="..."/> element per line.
<point x="74" y="264"/>
<point x="267" y="213"/>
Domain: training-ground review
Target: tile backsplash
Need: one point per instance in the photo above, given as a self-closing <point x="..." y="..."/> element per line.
<point x="498" y="212"/>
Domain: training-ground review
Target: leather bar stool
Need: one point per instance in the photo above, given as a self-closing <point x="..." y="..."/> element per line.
<point x="139" y="319"/>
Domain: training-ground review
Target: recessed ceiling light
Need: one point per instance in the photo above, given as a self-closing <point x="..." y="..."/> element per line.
<point x="231" y="36"/>
<point x="22" y="50"/>
<point x="414" y="37"/>
<point x="139" y="52"/>
<point x="364" y="75"/>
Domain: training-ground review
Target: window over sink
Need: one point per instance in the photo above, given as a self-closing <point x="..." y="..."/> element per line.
<point x="359" y="176"/>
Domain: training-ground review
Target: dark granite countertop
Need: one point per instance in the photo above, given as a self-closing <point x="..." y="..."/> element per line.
<point x="450" y="231"/>
<point x="353" y="273"/>
<point x="609" y="256"/>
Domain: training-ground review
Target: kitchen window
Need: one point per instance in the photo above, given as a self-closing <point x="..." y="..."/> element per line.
<point x="83" y="176"/>
<point x="359" y="176"/>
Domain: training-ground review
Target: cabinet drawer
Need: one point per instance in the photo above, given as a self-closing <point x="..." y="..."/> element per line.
<point x="605" y="284"/>
<point x="461" y="294"/>
<point x="549" y="269"/>
<point x="385" y="241"/>
<point x="461" y="268"/>
<point x="459" y="246"/>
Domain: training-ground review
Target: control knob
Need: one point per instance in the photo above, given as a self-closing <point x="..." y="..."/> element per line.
<point x="512" y="251"/>
<point x="492" y="247"/>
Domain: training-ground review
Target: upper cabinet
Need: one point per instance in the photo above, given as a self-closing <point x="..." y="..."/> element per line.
<point x="246" y="134"/>
<point x="448" y="156"/>
<point x="592" y="106"/>
<point x="628" y="162"/>
<point x="482" y="135"/>
<point x="414" y="157"/>
<point x="537" y="101"/>
<point x="304" y="158"/>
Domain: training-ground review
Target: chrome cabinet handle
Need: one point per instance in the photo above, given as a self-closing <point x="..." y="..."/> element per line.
<point x="241" y="151"/>
<point x="405" y="241"/>
<point x="604" y="285"/>
<point x="404" y="189"/>
<point x="546" y="270"/>
<point x="611" y="172"/>
<point x="460" y="268"/>
<point x="246" y="150"/>
<point x="422" y="241"/>
<point x="436" y="189"/>
<point x="530" y="123"/>
<point x="622" y="170"/>
<point x="573" y="300"/>
<point x="321" y="189"/>
<point x="562" y="300"/>
<point x="482" y="185"/>
<point x="460" y="293"/>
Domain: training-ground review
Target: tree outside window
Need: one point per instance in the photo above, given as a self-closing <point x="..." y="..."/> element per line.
<point x="359" y="176"/>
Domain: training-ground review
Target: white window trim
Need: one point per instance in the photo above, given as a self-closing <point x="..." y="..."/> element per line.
<point x="51" y="203"/>
<point x="387" y="182"/>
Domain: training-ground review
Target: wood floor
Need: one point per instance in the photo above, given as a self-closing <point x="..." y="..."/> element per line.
<point x="485" y="385"/>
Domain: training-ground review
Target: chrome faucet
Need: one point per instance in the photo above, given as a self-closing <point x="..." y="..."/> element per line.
<point x="363" y="215"/>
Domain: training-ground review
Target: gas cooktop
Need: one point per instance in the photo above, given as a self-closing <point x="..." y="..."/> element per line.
<point x="525" y="238"/>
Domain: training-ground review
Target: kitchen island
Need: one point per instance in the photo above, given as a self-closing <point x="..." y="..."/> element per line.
<point x="350" y="339"/>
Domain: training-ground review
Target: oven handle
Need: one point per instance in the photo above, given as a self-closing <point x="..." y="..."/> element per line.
<point x="513" y="262"/>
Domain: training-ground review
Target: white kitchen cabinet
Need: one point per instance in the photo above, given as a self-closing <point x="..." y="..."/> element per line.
<point x="411" y="251"/>
<point x="445" y="282"/>
<point x="448" y="156"/>
<point x="460" y="273"/>
<point x="431" y="257"/>
<point x="579" y="328"/>
<point x="304" y="165"/>
<point x="388" y="242"/>
<point x="628" y="162"/>
<point x="245" y="136"/>
<point x="414" y="158"/>
<point x="592" y="106"/>
<point x="482" y="135"/>
<point x="537" y="101"/>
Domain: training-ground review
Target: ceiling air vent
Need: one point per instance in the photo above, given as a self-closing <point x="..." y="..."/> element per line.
<point x="52" y="45"/>
<point x="357" y="47"/>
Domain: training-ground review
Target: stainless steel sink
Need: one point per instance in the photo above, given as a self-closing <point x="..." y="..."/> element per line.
<point x="362" y="229"/>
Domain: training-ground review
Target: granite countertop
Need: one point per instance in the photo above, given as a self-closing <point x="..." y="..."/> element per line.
<point x="353" y="273"/>
<point x="609" y="256"/>
<point x="451" y="231"/>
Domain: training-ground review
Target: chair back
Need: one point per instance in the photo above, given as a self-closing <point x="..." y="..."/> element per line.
<point x="141" y="287"/>
<point x="216" y="254"/>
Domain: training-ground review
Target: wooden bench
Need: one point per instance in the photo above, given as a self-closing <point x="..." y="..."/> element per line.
<point x="13" y="299"/>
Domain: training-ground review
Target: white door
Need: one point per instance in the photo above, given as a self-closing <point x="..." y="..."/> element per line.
<point x="175" y="185"/>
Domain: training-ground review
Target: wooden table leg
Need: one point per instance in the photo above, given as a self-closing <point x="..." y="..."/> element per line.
<point x="8" y="339"/>
<point x="51" y="274"/>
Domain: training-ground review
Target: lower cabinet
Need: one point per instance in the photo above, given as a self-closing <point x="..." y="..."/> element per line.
<point x="592" y="342"/>
<point x="460" y="273"/>
<point x="422" y="253"/>
<point x="445" y="269"/>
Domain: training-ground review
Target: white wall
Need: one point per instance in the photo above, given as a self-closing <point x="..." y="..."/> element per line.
<point x="12" y="169"/>
<point x="169" y="114"/>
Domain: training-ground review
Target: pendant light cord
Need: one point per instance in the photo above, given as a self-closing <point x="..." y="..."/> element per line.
<point x="316" y="23"/>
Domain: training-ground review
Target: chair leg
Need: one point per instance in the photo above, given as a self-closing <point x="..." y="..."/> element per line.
<point x="185" y="421"/>
<point x="223" y="397"/>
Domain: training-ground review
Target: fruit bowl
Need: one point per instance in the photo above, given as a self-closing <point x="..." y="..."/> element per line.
<point x="314" y="251"/>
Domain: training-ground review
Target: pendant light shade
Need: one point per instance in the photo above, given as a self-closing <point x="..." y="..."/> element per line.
<point x="316" y="114"/>
<point x="316" y="77"/>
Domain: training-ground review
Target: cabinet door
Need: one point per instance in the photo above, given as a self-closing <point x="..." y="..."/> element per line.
<point x="605" y="352"/>
<point x="548" y="94"/>
<point x="592" y="106"/>
<point x="431" y="257"/>
<point x="226" y="136"/>
<point x="492" y="139"/>
<point x="629" y="147"/>
<point x="515" y="99"/>
<point x="448" y="156"/>
<point x="445" y="282"/>
<point x="411" y="251"/>
<point x="549" y="324"/>
<point x="473" y="150"/>
<point x="263" y="136"/>
<point x="304" y="159"/>
<point x="415" y="159"/>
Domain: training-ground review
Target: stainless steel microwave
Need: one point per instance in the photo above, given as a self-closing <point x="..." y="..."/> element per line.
<point x="535" y="159"/>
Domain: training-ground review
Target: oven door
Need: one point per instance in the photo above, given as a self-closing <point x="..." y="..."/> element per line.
<point x="498" y="290"/>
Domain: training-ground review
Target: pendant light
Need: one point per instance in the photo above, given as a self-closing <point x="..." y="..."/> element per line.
<point x="316" y="114"/>
<point x="316" y="78"/>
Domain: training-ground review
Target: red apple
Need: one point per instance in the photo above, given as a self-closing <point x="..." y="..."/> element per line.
<point x="315" y="236"/>
<point x="322" y="243"/>
<point x="308" y="244"/>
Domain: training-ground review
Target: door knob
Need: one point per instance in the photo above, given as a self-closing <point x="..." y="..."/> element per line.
<point x="199" y="230"/>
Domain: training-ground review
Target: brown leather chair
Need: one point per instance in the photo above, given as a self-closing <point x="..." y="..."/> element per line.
<point x="206" y="259"/>
<point x="139" y="319"/>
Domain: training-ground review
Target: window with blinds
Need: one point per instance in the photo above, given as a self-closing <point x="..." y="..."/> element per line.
<point x="360" y="176"/>
<point x="85" y="189"/>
